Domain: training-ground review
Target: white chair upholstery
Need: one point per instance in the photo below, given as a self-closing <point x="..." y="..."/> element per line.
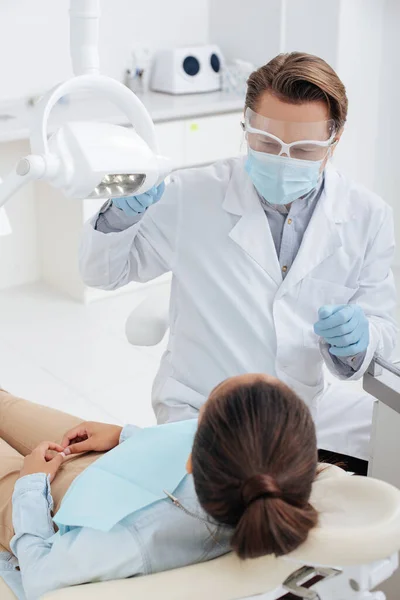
<point x="359" y="524"/>
<point x="148" y="322"/>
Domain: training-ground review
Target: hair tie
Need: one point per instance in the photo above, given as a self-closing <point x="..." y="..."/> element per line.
<point x="260" y="486"/>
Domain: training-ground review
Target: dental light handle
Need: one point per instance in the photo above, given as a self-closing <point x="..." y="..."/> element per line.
<point x="84" y="36"/>
<point x="111" y="89"/>
<point x="27" y="169"/>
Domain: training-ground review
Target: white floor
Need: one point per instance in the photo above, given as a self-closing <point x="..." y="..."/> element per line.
<point x="76" y="358"/>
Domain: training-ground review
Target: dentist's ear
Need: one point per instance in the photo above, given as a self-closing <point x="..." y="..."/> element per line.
<point x="331" y="150"/>
<point x="189" y="467"/>
<point x="336" y="141"/>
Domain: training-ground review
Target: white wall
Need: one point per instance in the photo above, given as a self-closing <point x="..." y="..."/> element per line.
<point x="34" y="37"/>
<point x="387" y="172"/>
<point x="311" y="26"/>
<point x="361" y="34"/>
<point x="249" y="29"/>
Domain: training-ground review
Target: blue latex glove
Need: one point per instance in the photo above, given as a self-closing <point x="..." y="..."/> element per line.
<point x="344" y="327"/>
<point x="136" y="205"/>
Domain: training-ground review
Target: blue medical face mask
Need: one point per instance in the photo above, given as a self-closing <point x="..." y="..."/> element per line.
<point x="280" y="179"/>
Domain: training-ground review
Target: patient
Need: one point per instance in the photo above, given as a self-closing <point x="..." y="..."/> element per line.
<point x="248" y="486"/>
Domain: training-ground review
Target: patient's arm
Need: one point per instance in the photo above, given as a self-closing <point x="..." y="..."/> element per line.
<point x="90" y="436"/>
<point x="127" y="432"/>
<point x="49" y="561"/>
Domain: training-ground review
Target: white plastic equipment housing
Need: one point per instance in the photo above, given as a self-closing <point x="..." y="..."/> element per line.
<point x="112" y="90"/>
<point x="84" y="36"/>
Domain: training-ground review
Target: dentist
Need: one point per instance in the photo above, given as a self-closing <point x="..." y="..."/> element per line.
<point x="280" y="264"/>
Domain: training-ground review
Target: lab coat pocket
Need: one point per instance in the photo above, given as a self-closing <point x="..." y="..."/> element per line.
<point x="315" y="293"/>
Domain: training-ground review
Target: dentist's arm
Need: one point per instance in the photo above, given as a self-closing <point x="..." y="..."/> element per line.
<point x="122" y="245"/>
<point x="366" y="326"/>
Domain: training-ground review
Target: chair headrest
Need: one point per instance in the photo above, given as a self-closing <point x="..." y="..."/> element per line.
<point x="359" y="521"/>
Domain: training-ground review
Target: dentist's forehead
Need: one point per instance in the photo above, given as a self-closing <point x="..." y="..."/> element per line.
<point x="292" y="122"/>
<point x="271" y="106"/>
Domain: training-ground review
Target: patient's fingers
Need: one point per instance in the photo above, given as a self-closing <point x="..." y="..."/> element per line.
<point x="57" y="461"/>
<point x="80" y="431"/>
<point x="55" y="464"/>
<point x="85" y="446"/>
<point x="44" y="448"/>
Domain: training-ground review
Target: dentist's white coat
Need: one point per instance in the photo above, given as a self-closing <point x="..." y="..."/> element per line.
<point x="231" y="311"/>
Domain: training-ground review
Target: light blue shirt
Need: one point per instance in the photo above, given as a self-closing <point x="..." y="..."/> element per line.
<point x="160" y="537"/>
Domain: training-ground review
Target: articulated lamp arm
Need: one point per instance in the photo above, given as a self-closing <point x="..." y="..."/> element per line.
<point x="84" y="28"/>
<point x="72" y="161"/>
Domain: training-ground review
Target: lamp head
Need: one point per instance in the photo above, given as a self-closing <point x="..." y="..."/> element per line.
<point x="92" y="160"/>
<point x="102" y="160"/>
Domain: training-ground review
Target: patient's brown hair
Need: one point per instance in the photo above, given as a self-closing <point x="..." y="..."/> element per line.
<point x="254" y="460"/>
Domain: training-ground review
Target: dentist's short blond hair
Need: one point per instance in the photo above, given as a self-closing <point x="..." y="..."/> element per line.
<point x="297" y="77"/>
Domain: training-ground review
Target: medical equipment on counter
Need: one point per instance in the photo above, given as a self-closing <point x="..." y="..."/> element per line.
<point x="87" y="159"/>
<point x="235" y="75"/>
<point x="187" y="70"/>
<point x="138" y="75"/>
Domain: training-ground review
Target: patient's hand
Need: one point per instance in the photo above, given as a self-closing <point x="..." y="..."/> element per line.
<point x="36" y="461"/>
<point x="91" y="436"/>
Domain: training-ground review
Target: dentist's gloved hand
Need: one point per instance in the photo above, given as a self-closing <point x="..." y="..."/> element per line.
<point x="344" y="327"/>
<point x="136" y="205"/>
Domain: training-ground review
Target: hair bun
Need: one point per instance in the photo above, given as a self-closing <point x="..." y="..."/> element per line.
<point x="260" y="486"/>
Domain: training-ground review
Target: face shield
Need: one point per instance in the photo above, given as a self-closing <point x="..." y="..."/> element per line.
<point x="299" y="140"/>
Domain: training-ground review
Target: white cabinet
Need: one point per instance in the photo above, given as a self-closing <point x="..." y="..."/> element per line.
<point x="212" y="138"/>
<point x="170" y="138"/>
<point x="202" y="140"/>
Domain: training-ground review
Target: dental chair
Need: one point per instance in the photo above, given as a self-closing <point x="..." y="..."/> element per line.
<point x="353" y="550"/>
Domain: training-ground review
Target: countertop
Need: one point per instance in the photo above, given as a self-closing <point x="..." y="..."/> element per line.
<point x="162" y="107"/>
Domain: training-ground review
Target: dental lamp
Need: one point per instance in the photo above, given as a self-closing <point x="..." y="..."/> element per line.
<point x="87" y="159"/>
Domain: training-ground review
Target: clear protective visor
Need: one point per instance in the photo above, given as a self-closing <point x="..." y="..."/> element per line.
<point x="301" y="140"/>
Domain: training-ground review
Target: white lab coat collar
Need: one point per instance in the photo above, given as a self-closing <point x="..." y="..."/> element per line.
<point x="253" y="235"/>
<point x="323" y="235"/>
<point x="251" y="232"/>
